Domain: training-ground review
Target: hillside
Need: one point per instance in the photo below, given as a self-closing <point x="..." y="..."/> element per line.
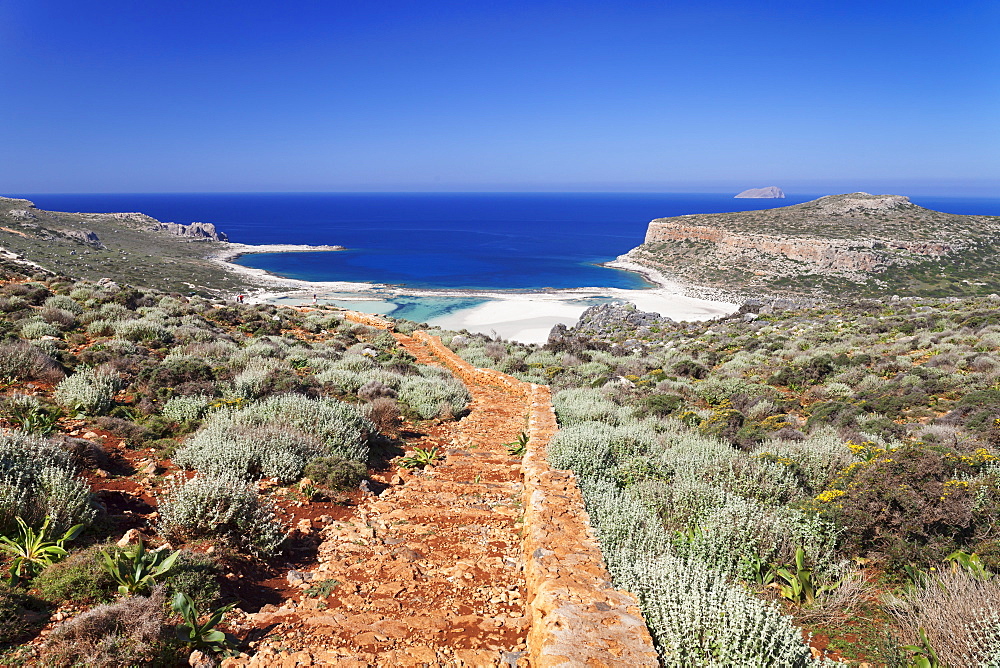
<point x="841" y="245"/>
<point x="131" y="248"/>
<point x="830" y="470"/>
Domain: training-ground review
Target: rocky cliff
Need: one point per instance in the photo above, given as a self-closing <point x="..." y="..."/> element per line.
<point x="836" y="244"/>
<point x="770" y="192"/>
<point x="192" y="230"/>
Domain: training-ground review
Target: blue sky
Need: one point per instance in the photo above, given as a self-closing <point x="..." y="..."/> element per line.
<point x="126" y="96"/>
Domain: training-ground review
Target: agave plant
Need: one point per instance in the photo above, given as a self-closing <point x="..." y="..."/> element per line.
<point x="32" y="552"/>
<point x="202" y="635"/>
<point x="137" y="570"/>
<point x="421" y="457"/>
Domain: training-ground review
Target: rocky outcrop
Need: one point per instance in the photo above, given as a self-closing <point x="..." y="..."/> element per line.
<point x="607" y="320"/>
<point x="770" y="192"/>
<point x="192" y="231"/>
<point x="84" y="237"/>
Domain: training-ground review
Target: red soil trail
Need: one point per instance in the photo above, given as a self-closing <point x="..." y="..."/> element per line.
<point x="429" y="572"/>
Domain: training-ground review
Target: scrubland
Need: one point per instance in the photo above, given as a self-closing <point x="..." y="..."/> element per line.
<point x="157" y="451"/>
<point x="825" y="478"/>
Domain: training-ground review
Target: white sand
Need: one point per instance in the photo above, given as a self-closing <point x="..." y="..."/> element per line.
<point x="526" y="317"/>
<point x="529" y="317"/>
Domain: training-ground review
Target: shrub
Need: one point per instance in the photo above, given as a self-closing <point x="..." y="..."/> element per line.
<point x="129" y="632"/>
<point x="186" y="408"/>
<point x="277" y="437"/>
<point x="958" y="613"/>
<point x="587" y="404"/>
<point x="36" y="329"/>
<point x="38" y="480"/>
<point x="374" y="389"/>
<point x="20" y="361"/>
<point x="697" y="616"/>
<point x="228" y="443"/>
<point x="223" y="507"/>
<point x="336" y="473"/>
<point x="87" y="391"/>
<point x="79" y="578"/>
<point x="65" y="303"/>
<point x="13" y="614"/>
<point x="196" y="575"/>
<point x="58" y="317"/>
<point x="434" y="397"/>
<point x="385" y="415"/>
<point x="148" y="331"/>
<point x="906" y="502"/>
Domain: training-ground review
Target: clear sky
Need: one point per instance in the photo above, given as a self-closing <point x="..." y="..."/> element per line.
<point x="331" y="95"/>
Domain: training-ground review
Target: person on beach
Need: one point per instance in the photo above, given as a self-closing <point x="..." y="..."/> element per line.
<point x="314" y="298"/>
<point x="239" y="299"/>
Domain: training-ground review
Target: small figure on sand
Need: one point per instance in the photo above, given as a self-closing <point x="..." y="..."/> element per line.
<point x="314" y="298"/>
<point x="240" y="298"/>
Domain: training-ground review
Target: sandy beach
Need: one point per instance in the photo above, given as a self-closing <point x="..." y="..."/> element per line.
<point x="520" y="316"/>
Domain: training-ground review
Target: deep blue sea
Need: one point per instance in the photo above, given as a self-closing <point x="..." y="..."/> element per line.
<point x="510" y="241"/>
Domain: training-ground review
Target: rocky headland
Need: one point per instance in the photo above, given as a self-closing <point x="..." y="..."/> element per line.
<point x="131" y="248"/>
<point x="835" y="245"/>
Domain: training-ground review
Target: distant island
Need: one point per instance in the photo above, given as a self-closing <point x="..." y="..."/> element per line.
<point x="770" y="192"/>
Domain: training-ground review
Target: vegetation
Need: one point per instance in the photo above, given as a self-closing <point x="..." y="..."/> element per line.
<point x="840" y="246"/>
<point x="756" y="475"/>
<point x="205" y="416"/>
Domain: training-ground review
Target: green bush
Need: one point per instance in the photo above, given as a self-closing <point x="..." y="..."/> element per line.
<point x="14" y="615"/>
<point x="79" y="578"/>
<point x="335" y="473"/>
<point x="196" y="575"/>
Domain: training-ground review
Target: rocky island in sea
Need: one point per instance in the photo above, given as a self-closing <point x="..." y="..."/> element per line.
<point x="770" y="192"/>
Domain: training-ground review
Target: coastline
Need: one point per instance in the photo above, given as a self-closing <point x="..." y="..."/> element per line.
<point x="524" y="315"/>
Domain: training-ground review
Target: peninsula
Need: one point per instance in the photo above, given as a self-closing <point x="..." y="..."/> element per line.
<point x="841" y="245"/>
<point x="130" y="248"/>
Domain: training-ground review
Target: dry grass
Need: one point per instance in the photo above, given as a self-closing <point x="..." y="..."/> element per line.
<point x="129" y="632"/>
<point x="959" y="612"/>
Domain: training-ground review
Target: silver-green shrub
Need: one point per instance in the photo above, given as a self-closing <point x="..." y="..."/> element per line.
<point x="38" y="479"/>
<point x="65" y="303"/>
<point x="36" y="329"/>
<point x="142" y="330"/>
<point x="277" y="437"/>
<point x="697" y="616"/>
<point x="221" y="506"/>
<point x="186" y="408"/>
<point x="433" y="397"/>
<point x="88" y="391"/>
<point x="584" y="404"/>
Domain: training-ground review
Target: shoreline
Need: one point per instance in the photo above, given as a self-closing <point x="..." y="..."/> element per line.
<point x="523" y="315"/>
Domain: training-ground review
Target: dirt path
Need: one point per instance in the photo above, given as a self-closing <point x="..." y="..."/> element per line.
<point x="429" y="572"/>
